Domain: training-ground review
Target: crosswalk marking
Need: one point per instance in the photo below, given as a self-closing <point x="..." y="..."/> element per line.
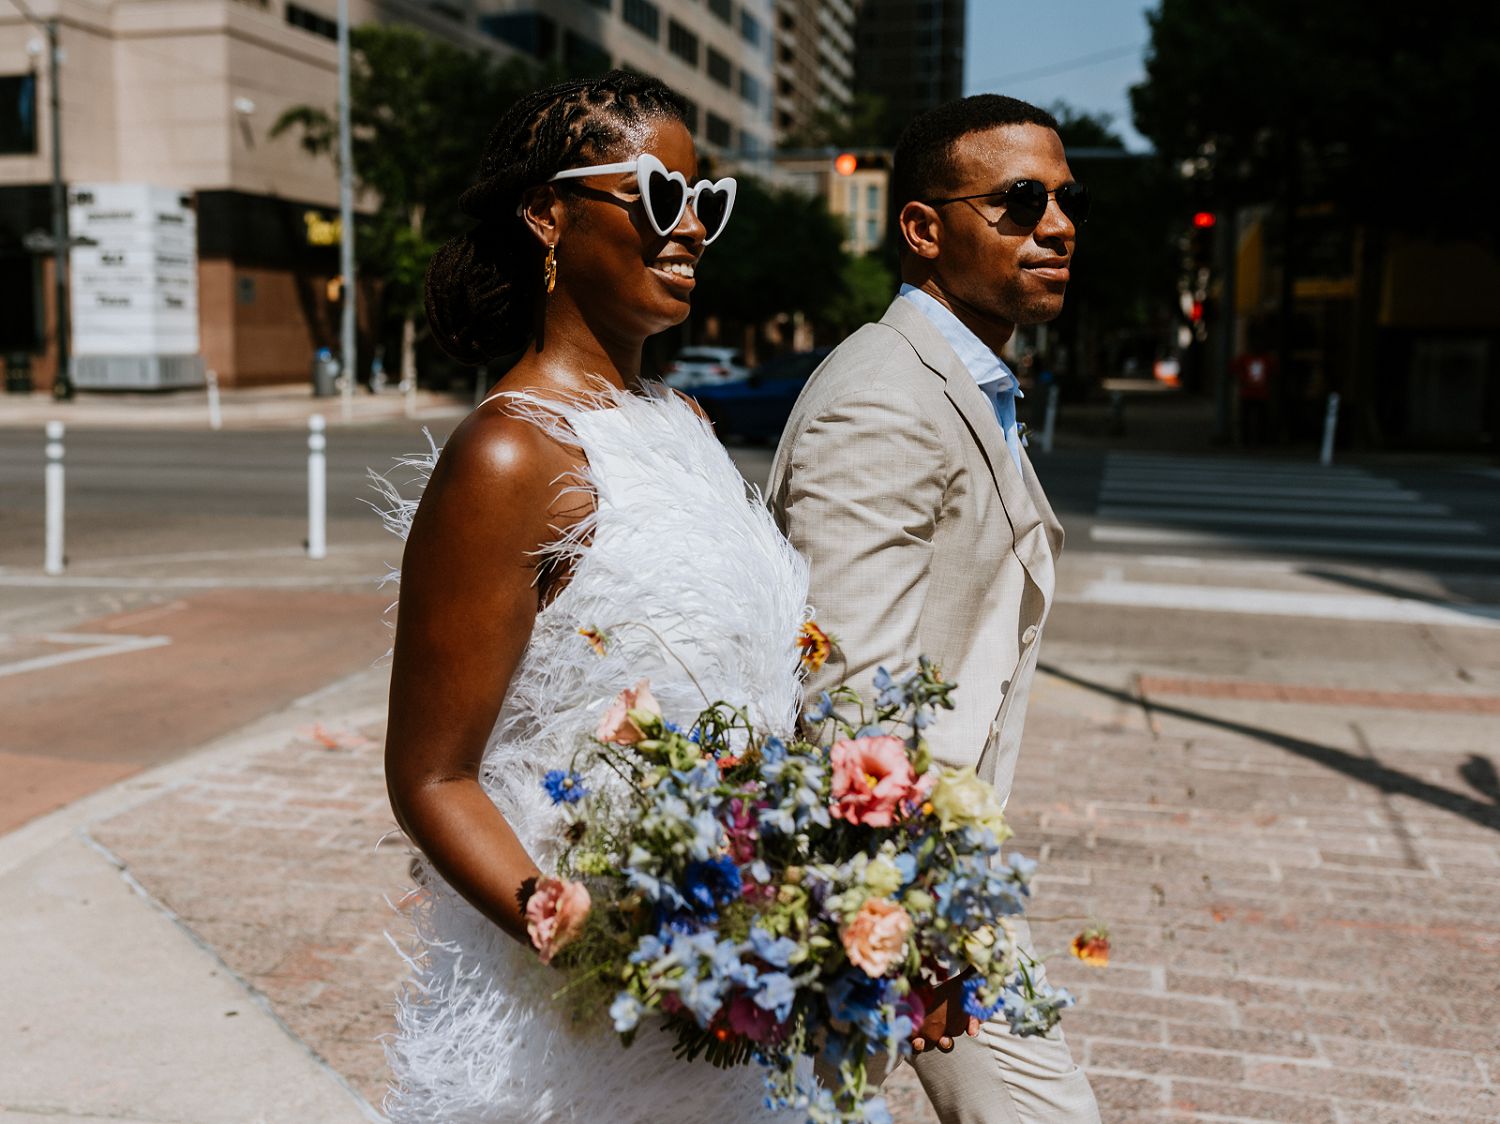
<point x="1222" y="503"/>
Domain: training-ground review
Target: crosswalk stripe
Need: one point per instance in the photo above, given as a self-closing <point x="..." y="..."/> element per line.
<point x="1284" y="603"/>
<point x="1251" y="479"/>
<point x="1215" y="488"/>
<point x="1239" y="500"/>
<point x="1419" y="524"/>
<point x="1313" y="544"/>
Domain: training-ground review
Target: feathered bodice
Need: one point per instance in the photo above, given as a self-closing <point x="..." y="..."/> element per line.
<point x="684" y="575"/>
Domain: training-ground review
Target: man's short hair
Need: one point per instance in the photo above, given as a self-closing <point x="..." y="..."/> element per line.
<point x="923" y="164"/>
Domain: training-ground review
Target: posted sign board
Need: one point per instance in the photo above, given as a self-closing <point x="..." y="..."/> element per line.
<point x="134" y="285"/>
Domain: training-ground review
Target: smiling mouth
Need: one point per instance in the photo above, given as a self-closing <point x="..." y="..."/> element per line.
<point x="675" y="267"/>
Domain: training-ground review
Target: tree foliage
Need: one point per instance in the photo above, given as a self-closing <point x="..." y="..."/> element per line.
<point x="1345" y="94"/>
<point x="420" y="110"/>
<point x="781" y="252"/>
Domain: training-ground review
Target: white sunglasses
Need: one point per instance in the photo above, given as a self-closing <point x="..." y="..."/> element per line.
<point x="667" y="194"/>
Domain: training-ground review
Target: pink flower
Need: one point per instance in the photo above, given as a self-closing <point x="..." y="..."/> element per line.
<point x="871" y="776"/>
<point x="617" y="727"/>
<point x="751" y="1021"/>
<point x="876" y="938"/>
<point x="555" y="914"/>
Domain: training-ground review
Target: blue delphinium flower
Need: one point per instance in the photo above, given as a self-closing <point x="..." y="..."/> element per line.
<point x="625" y="1011"/>
<point x="820" y="711"/>
<point x="775" y="951"/>
<point x="710" y="883"/>
<point x="776" y="993"/>
<point x="891" y="693"/>
<point x="565" y="787"/>
<point x="975" y="1005"/>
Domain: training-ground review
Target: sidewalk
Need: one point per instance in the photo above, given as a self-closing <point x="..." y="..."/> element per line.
<point x="1304" y="896"/>
<point x="262" y="407"/>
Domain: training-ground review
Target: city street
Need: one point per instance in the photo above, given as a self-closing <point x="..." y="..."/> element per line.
<point x="1263" y="748"/>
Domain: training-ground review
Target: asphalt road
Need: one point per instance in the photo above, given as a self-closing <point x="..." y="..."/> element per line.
<point x="189" y="606"/>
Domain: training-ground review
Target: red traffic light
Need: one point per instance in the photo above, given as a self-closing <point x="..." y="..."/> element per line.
<point x="846" y="164"/>
<point x="1197" y="312"/>
<point x="1204" y="219"/>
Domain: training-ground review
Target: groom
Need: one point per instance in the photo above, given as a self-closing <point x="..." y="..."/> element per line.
<point x="902" y="478"/>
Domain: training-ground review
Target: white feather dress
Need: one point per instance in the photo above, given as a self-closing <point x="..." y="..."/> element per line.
<point x="675" y="543"/>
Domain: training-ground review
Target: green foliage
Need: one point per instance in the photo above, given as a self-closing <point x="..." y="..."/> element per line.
<point x="867" y="124"/>
<point x="866" y="288"/>
<point x="1348" y="90"/>
<point x="781" y="252"/>
<point x="420" y="110"/>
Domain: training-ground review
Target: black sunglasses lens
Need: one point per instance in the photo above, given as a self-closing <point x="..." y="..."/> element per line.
<point x="664" y="197"/>
<point x="1073" y="199"/>
<point x="712" y="208"/>
<point x="1026" y="202"/>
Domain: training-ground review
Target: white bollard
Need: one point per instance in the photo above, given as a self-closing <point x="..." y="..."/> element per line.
<point x="317" y="488"/>
<point x="1330" y="427"/>
<point x="1049" y="421"/>
<point x="410" y="387"/>
<point x="215" y="415"/>
<point x="53" y="488"/>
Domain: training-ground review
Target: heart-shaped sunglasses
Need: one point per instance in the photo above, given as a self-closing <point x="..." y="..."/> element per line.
<point x="667" y="194"/>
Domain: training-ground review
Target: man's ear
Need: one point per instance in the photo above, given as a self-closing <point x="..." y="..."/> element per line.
<point x="542" y="211"/>
<point x="921" y="229"/>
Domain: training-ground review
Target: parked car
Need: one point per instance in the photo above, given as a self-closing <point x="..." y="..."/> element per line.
<point x="705" y="366"/>
<point x="757" y="407"/>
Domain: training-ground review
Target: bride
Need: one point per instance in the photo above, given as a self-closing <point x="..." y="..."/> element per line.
<point x="581" y="530"/>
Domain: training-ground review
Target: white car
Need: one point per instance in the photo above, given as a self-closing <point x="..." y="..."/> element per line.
<point x="705" y="366"/>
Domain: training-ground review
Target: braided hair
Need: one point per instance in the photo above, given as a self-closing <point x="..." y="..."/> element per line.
<point x="483" y="286"/>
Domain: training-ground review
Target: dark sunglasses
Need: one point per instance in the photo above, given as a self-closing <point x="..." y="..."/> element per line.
<point x="1026" y="201"/>
<point x="667" y="194"/>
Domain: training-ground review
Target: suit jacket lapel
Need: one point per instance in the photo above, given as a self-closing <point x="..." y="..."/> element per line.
<point x="1031" y="535"/>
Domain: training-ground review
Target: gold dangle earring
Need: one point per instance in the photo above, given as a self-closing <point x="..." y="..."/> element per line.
<point x="549" y="267"/>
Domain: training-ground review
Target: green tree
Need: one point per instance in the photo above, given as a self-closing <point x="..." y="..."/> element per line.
<point x="866" y="288"/>
<point x="781" y="252"/>
<point x="420" y="110"/>
<point x="867" y="123"/>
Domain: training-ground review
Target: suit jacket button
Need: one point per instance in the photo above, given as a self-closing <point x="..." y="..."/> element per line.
<point x="1029" y="635"/>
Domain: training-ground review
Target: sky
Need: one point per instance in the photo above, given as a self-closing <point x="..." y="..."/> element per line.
<point x="1085" y="52"/>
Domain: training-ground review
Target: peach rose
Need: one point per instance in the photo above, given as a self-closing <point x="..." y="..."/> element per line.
<point x="555" y="914"/>
<point x="617" y="727"/>
<point x="871" y="776"/>
<point x="876" y="938"/>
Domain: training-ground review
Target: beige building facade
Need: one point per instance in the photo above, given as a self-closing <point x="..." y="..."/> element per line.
<point x="814" y="64"/>
<point x="182" y="94"/>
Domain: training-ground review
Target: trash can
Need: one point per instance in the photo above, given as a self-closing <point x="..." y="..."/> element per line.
<point x="18" y="373"/>
<point x="325" y="373"/>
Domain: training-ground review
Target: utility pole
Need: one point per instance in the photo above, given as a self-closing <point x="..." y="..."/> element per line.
<point x="62" y="385"/>
<point x="347" y="344"/>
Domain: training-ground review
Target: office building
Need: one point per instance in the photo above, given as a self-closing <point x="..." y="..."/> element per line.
<point x="814" y="64"/>
<point x="910" y="53"/>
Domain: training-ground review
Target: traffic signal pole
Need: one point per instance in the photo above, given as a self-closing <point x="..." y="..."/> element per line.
<point x="1226" y="245"/>
<point x="347" y="343"/>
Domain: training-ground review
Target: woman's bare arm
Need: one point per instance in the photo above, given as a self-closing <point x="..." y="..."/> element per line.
<point x="469" y="599"/>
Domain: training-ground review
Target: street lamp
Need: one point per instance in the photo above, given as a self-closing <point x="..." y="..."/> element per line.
<point x="346" y="216"/>
<point x="62" y="385"/>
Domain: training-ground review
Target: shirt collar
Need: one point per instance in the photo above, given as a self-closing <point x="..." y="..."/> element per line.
<point x="987" y="368"/>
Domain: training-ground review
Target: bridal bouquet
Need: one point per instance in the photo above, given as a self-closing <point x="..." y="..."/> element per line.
<point x="774" y="897"/>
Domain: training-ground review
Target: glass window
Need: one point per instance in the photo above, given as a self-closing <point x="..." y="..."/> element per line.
<point x="724" y="9"/>
<point x="308" y="20"/>
<point x="749" y="28"/>
<point x="530" y="32"/>
<point x="682" y="43"/>
<point x="642" y="15"/>
<point x="17" y="114"/>
<point x="601" y="4"/>
<point x="583" y="55"/>
<point x="872" y="197"/>
<point x="720" y="131"/>
<point x="720" y="69"/>
<point x="749" y="88"/>
<point x="872" y="232"/>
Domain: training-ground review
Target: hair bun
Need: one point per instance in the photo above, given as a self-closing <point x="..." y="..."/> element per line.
<point x="478" y="309"/>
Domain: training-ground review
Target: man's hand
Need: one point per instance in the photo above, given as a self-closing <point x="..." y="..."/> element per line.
<point x="946" y="1019"/>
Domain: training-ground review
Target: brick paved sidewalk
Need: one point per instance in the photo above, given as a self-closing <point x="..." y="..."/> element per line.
<point x="1297" y="937"/>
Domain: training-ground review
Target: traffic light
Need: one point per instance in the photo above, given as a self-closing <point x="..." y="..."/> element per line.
<point x="846" y="163"/>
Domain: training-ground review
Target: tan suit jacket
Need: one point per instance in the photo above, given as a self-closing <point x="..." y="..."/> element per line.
<point x="894" y="480"/>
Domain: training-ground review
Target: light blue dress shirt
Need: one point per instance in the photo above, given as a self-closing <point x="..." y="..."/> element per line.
<point x="989" y="370"/>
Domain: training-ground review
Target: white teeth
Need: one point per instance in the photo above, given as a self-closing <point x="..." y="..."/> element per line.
<point x="679" y="268"/>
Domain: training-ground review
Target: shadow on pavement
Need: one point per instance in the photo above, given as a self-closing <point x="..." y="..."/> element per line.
<point x="1361" y="769"/>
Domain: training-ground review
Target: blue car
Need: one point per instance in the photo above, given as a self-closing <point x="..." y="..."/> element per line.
<point x="756" y="409"/>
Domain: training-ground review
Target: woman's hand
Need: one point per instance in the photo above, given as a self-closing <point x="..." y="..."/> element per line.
<point x="946" y="1020"/>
